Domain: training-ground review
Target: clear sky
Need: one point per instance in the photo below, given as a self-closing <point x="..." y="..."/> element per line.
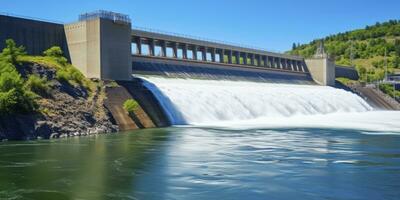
<point x="267" y="24"/>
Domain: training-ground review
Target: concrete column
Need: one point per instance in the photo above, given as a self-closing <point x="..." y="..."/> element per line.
<point x="245" y="58"/>
<point x="291" y="65"/>
<point x="283" y="63"/>
<point x="194" y="50"/>
<point x="175" y="50"/>
<point x="163" y="48"/>
<point x="294" y="65"/>
<point x="252" y="59"/>
<point x="151" y="47"/>
<point x="259" y="60"/>
<point x="238" y="58"/>
<point x="221" y="56"/>
<point x="138" y="46"/>
<point x="184" y="51"/>
<point x="278" y="63"/>
<point x="266" y="61"/>
<point x="213" y="54"/>
<point x="204" y="54"/>
<point x="299" y="68"/>
<point x="230" y="56"/>
<point x="275" y="64"/>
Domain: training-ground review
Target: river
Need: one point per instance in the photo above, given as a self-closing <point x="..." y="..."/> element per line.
<point x="230" y="140"/>
<point x="205" y="163"/>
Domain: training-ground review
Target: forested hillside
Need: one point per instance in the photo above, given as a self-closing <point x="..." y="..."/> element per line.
<point x="367" y="47"/>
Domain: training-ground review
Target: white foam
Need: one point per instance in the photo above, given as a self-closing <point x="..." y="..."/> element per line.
<point x="250" y="104"/>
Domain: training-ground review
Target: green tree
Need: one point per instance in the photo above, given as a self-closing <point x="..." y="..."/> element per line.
<point x="14" y="97"/>
<point x="294" y="46"/>
<point x="11" y="52"/>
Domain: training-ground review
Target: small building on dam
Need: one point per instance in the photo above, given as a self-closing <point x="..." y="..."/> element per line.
<point x="105" y="45"/>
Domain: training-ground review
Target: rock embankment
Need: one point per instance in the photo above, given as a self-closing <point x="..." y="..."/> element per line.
<point x="67" y="110"/>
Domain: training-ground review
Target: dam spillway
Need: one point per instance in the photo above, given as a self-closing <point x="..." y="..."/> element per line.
<point x="194" y="101"/>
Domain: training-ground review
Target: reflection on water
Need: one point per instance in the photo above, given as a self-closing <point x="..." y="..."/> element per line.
<point x="205" y="163"/>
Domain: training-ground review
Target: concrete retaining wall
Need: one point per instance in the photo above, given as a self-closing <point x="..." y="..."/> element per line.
<point x="36" y="36"/>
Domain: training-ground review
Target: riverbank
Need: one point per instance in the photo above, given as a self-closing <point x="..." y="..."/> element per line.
<point x="66" y="110"/>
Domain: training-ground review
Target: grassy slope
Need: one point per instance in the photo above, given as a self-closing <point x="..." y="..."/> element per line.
<point x="368" y="46"/>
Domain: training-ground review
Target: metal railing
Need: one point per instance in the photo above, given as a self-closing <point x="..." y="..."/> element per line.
<point x="31" y="18"/>
<point x="203" y="39"/>
<point x="116" y="17"/>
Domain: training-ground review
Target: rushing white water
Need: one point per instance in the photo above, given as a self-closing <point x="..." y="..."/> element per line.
<point x="251" y="104"/>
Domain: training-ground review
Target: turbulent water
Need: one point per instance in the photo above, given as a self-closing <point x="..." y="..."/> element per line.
<point x="230" y="104"/>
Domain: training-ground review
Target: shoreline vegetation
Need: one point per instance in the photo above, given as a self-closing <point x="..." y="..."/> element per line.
<point x="46" y="97"/>
<point x="368" y="49"/>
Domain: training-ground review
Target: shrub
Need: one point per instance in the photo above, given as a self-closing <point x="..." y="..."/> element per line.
<point x="11" y="52"/>
<point x="131" y="105"/>
<point x="56" y="53"/>
<point x="389" y="89"/>
<point x="14" y="97"/>
<point x="70" y="74"/>
<point x="8" y="101"/>
<point x="38" y="85"/>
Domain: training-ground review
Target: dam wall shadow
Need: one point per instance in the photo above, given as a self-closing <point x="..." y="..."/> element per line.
<point x="211" y="71"/>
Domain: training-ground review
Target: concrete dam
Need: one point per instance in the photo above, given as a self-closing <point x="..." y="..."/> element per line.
<point x="182" y="80"/>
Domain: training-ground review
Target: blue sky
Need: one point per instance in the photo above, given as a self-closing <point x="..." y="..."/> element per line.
<point x="271" y="25"/>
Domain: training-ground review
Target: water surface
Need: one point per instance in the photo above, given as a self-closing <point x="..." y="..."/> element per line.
<point x="205" y="163"/>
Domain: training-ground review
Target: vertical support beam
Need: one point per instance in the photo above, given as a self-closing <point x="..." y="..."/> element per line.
<point x="163" y="48"/>
<point x="245" y="58"/>
<point x="222" y="56"/>
<point x="204" y="54"/>
<point x="294" y="65"/>
<point x="184" y="51"/>
<point x="291" y="64"/>
<point x="266" y="61"/>
<point x="213" y="54"/>
<point x="230" y="56"/>
<point x="138" y="45"/>
<point x="238" y="57"/>
<point x="276" y="62"/>
<point x="252" y="59"/>
<point x="151" y="47"/>
<point x="194" y="52"/>
<point x="259" y="60"/>
<point x="175" y="50"/>
<point x="298" y="66"/>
